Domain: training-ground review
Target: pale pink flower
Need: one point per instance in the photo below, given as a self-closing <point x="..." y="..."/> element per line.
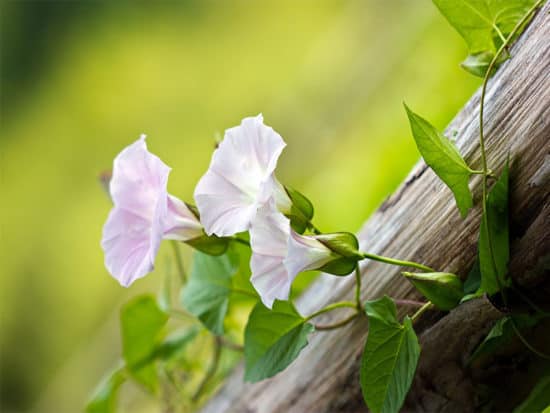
<point x="143" y="214"/>
<point x="241" y="178"/>
<point x="279" y="254"/>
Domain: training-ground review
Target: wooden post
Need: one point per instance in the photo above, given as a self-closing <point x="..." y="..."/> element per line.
<point x="420" y="222"/>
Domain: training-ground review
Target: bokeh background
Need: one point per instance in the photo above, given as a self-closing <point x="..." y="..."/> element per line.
<point x="82" y="79"/>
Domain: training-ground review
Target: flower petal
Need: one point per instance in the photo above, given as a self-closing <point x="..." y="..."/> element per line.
<point x="180" y="223"/>
<point x="269" y="278"/>
<point x="239" y="177"/>
<point x="224" y="208"/>
<point x="306" y="253"/>
<point x="268" y="239"/>
<point x="139" y="180"/>
<point x="130" y="244"/>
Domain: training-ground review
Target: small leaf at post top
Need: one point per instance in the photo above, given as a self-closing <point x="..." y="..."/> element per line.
<point x="441" y="155"/>
<point x="390" y="357"/>
<point x="483" y="25"/>
<point x="273" y="339"/>
<point x="494" y="250"/>
<point x="443" y="289"/>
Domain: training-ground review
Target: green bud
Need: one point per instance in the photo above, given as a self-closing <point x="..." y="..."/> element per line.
<point x="211" y="245"/>
<point x="346" y="246"/>
<point x="342" y="243"/>
<point x="443" y="289"/>
<point x="301" y="211"/>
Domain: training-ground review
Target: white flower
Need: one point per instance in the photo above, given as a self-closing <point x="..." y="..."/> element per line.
<point x="279" y="254"/>
<point x="241" y="178"/>
<point x="143" y="214"/>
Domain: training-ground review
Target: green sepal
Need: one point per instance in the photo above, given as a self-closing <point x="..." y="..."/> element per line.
<point x="344" y="244"/>
<point x="340" y="266"/>
<point x="301" y="210"/>
<point x="211" y="245"/>
<point x="443" y="289"/>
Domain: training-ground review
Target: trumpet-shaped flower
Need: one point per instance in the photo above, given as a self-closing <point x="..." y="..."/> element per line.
<point x="279" y="254"/>
<point x="241" y="178"/>
<point x="143" y="214"/>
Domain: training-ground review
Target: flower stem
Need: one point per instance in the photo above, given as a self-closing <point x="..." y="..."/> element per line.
<point x="358" y="288"/>
<point x="181" y="315"/>
<point x="394" y="261"/>
<point x="530" y="303"/>
<point x="421" y="311"/>
<point x="526" y="343"/>
<point x="211" y="369"/>
<point x="330" y="307"/>
<point x="410" y="303"/>
<point x="336" y="325"/>
<point x="230" y="345"/>
<point x="179" y="262"/>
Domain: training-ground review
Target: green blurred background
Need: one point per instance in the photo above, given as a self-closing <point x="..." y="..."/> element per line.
<point x="82" y="79"/>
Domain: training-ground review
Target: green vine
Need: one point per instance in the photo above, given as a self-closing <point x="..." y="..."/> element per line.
<point x="283" y="242"/>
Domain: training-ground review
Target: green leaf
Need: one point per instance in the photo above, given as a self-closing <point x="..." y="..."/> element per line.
<point x="239" y="253"/>
<point x="501" y="333"/>
<point x="494" y="255"/>
<point x="273" y="339"/>
<point x="175" y="344"/>
<point x="472" y="283"/>
<point x="478" y="63"/>
<point x="479" y="22"/>
<point x="104" y="398"/>
<point x="539" y="398"/>
<point x="443" y="289"/>
<point x="389" y="359"/>
<point x="142" y="322"/>
<point x="442" y="156"/>
<point x="207" y="293"/>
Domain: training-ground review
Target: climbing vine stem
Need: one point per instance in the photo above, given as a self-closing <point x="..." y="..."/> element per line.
<point x="485" y="169"/>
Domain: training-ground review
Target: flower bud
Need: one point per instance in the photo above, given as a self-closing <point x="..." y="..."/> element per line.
<point x="301" y="210"/>
<point x="345" y="246"/>
<point x="443" y="289"/>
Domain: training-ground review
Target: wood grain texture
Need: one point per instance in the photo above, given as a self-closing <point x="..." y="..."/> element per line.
<point x="420" y="222"/>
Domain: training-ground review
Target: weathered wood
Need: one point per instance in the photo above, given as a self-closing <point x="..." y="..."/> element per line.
<point x="421" y="222"/>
